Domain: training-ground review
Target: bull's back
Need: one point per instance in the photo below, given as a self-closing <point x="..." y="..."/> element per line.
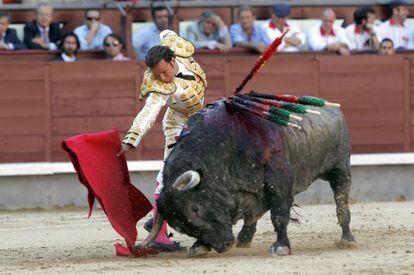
<point x="321" y="145"/>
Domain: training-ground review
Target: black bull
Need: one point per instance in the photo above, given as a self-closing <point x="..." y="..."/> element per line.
<point x="230" y="164"/>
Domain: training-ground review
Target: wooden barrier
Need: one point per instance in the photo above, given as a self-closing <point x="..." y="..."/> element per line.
<point x="42" y="103"/>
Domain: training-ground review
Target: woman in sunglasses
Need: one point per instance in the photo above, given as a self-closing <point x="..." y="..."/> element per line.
<point x="113" y="48"/>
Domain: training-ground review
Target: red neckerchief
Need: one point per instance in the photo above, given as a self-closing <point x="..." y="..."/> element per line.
<point x="393" y="23"/>
<point x="358" y="30"/>
<point x="273" y="26"/>
<point x="324" y="33"/>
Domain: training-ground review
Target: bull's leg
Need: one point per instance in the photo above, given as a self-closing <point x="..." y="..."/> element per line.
<point x="340" y="181"/>
<point x="280" y="215"/>
<point x="279" y="184"/>
<point x="245" y="237"/>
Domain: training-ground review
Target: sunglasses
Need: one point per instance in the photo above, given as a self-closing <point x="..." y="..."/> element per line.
<point x="114" y="44"/>
<point x="93" y="18"/>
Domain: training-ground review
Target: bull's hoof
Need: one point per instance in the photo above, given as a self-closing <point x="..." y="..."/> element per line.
<point x="241" y="244"/>
<point x="279" y="250"/>
<point x="198" y="250"/>
<point x="344" y="244"/>
<point x="347" y="241"/>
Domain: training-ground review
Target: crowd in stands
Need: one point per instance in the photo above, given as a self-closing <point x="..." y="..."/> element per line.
<point x="210" y="32"/>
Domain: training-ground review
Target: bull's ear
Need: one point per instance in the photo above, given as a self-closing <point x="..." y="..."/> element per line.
<point x="187" y="180"/>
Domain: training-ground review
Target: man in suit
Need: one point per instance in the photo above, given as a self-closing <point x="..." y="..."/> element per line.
<point x="42" y="33"/>
<point x="8" y="37"/>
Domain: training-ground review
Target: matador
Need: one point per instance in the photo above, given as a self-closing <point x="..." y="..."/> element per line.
<point x="175" y="79"/>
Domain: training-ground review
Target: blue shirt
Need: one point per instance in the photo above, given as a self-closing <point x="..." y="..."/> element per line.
<point x="144" y="39"/>
<point x="97" y="42"/>
<point x="259" y="34"/>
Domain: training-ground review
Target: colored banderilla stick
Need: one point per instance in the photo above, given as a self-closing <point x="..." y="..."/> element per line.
<point x="263" y="114"/>
<point x="305" y="100"/>
<point x="267" y="54"/>
<point x="295" y="108"/>
<point x="246" y="100"/>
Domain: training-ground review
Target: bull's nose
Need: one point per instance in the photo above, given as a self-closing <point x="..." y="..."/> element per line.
<point x="228" y="245"/>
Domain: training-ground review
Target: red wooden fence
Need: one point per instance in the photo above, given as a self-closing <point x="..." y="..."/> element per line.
<point x="44" y="102"/>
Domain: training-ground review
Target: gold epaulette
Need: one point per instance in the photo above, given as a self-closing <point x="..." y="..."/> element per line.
<point x="179" y="45"/>
<point x="152" y="85"/>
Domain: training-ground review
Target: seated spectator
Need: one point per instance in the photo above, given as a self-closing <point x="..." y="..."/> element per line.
<point x="328" y="36"/>
<point x="395" y="28"/>
<point x="69" y="48"/>
<point x="209" y="32"/>
<point x="8" y="37"/>
<point x="113" y="48"/>
<point x="42" y="33"/>
<point x="149" y="36"/>
<point x="362" y="35"/>
<point x="295" y="39"/>
<point x="249" y="34"/>
<point x="91" y="34"/>
<point x="386" y="47"/>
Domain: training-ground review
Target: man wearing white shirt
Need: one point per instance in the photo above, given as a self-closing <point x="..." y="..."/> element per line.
<point x="295" y="39"/>
<point x="396" y="28"/>
<point x="362" y="35"/>
<point x="327" y="36"/>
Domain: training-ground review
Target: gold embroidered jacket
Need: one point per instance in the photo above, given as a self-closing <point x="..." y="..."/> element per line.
<point x="183" y="97"/>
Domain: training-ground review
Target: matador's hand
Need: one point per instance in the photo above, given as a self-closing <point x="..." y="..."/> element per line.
<point x="124" y="148"/>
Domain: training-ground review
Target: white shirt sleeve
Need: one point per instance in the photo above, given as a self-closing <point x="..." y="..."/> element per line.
<point x="145" y="118"/>
<point x="81" y="36"/>
<point x="297" y="33"/>
<point x="316" y="43"/>
<point x="382" y="31"/>
<point x="342" y="36"/>
<point x="350" y="35"/>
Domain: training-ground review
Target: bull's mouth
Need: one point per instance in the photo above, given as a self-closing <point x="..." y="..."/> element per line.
<point x="223" y="247"/>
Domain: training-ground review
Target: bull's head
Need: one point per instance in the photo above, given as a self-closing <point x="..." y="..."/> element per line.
<point x="194" y="209"/>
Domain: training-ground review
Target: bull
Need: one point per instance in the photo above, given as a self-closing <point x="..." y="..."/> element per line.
<point x="229" y="164"/>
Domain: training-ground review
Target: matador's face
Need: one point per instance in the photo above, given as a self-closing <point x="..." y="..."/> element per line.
<point x="164" y="71"/>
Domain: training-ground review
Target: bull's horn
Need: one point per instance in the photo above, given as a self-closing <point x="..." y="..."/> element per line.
<point x="187" y="180"/>
<point x="156" y="228"/>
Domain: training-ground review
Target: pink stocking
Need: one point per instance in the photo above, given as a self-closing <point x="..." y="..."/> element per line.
<point x="163" y="235"/>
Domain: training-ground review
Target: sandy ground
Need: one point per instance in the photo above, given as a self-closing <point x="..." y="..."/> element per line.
<point x="65" y="242"/>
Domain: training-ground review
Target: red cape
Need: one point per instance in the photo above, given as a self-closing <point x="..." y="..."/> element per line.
<point x="106" y="177"/>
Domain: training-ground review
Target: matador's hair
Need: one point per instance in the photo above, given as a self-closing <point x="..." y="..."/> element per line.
<point x="158" y="53"/>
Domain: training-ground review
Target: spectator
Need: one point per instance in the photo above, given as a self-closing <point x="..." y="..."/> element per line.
<point x="327" y="36"/>
<point x="8" y="37"/>
<point x="209" y="32"/>
<point x="386" y="47"/>
<point x="249" y="34"/>
<point x="69" y="48"/>
<point x="295" y="39"/>
<point x="114" y="45"/>
<point x="42" y="33"/>
<point x="91" y="34"/>
<point x="362" y="35"/>
<point x="149" y="36"/>
<point x="395" y="28"/>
